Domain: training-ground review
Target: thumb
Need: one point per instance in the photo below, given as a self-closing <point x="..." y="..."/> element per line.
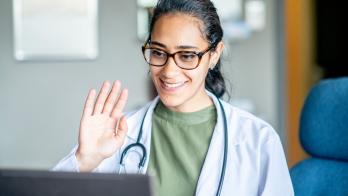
<point x="122" y="128"/>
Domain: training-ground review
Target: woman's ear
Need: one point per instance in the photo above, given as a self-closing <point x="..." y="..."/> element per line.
<point x="215" y="54"/>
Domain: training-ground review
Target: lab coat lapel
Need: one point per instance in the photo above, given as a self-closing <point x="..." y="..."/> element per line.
<point x="210" y="174"/>
<point x="135" y="125"/>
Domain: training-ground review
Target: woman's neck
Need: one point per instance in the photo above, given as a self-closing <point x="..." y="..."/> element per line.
<point x="194" y="104"/>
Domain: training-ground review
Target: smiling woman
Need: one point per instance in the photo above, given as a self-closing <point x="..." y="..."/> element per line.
<point x="192" y="142"/>
<point x="180" y="81"/>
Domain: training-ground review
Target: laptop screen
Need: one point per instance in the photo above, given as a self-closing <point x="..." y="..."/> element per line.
<point x="48" y="183"/>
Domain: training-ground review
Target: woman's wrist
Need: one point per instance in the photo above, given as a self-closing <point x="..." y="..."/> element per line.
<point x="87" y="163"/>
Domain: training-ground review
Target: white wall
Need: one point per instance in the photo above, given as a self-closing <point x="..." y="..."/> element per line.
<point x="252" y="67"/>
<point x="41" y="102"/>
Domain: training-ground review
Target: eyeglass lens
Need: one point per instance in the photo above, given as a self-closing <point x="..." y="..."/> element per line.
<point x="183" y="59"/>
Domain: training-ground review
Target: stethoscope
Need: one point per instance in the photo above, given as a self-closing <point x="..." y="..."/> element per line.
<point x="143" y="155"/>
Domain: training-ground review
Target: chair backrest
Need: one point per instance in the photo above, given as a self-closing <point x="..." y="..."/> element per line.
<point x="324" y="136"/>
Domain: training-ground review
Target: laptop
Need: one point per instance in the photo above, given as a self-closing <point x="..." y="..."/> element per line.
<point x="49" y="183"/>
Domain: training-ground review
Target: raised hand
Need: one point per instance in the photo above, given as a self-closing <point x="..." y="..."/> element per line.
<point x="103" y="127"/>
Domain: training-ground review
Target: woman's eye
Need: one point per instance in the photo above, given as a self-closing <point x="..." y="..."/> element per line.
<point x="187" y="56"/>
<point x="157" y="53"/>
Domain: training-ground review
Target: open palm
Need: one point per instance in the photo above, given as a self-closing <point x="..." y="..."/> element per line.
<point x="103" y="126"/>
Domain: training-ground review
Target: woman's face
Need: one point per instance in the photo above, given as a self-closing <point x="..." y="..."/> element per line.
<point x="179" y="89"/>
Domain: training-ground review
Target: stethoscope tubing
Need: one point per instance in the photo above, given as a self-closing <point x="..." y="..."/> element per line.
<point x="144" y="152"/>
<point x="137" y="144"/>
<point x="223" y="169"/>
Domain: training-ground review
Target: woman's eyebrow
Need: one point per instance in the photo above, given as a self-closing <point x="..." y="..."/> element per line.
<point x="186" y="47"/>
<point x="177" y="47"/>
<point x="158" y="44"/>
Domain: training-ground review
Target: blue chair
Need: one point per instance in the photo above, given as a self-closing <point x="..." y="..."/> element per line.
<point x="324" y="136"/>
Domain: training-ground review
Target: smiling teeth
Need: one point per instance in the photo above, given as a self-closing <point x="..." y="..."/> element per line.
<point x="173" y="85"/>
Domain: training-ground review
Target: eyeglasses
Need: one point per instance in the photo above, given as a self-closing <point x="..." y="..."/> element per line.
<point x="184" y="59"/>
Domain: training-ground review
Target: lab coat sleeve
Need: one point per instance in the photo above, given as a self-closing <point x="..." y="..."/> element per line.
<point x="70" y="164"/>
<point x="275" y="178"/>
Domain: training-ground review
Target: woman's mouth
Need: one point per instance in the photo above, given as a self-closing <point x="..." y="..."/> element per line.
<point x="170" y="86"/>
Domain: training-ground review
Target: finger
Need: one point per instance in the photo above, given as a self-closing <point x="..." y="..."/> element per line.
<point x="121" y="102"/>
<point x="89" y="104"/>
<point x="121" y="129"/>
<point x="104" y="91"/>
<point x="110" y="101"/>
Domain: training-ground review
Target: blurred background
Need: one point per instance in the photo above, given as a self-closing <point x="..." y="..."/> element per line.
<point x="53" y="52"/>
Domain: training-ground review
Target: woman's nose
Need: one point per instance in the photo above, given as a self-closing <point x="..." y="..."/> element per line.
<point x="170" y="69"/>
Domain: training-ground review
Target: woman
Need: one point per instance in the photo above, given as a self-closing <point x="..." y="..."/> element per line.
<point x="192" y="142"/>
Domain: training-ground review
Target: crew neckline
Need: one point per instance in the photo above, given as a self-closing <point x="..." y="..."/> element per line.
<point x="203" y="115"/>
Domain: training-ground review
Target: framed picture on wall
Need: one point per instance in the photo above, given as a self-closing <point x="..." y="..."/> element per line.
<point x="55" y="29"/>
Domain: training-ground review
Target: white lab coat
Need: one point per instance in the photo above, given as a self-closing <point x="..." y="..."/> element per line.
<point x="256" y="164"/>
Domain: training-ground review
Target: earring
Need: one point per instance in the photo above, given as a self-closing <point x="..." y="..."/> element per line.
<point x="212" y="66"/>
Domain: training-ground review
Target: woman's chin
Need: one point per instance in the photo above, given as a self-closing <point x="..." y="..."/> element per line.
<point x="170" y="101"/>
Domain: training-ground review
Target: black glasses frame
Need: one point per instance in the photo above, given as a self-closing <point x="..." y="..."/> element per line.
<point x="199" y="54"/>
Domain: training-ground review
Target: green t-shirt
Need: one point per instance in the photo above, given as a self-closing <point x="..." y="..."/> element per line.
<point x="179" y="144"/>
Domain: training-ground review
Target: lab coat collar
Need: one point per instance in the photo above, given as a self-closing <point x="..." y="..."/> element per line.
<point x="145" y="113"/>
